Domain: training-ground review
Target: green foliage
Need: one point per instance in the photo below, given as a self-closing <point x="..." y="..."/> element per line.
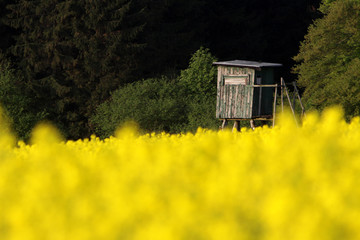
<point x="199" y="81"/>
<point x="201" y="113"/>
<point x="17" y="105"/>
<point x="325" y="5"/>
<point x="328" y="60"/>
<point x="154" y="104"/>
<point x="74" y="53"/>
<point x="165" y="104"/>
<point x="200" y="76"/>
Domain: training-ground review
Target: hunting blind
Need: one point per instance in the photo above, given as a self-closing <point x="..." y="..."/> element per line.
<point x="246" y="91"/>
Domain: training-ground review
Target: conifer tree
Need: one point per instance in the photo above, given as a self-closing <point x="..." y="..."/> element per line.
<point x="5" y="31"/>
<point x="74" y="53"/>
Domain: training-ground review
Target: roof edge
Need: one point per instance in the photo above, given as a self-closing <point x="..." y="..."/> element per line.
<point x="244" y="63"/>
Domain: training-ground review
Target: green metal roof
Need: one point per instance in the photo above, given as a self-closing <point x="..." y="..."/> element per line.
<point x="243" y="63"/>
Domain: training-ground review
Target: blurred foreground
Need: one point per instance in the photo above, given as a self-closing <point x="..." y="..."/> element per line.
<point x="281" y="183"/>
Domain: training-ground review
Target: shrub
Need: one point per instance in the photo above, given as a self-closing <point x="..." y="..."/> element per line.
<point x="199" y="82"/>
<point x="173" y="105"/>
<point x="154" y="104"/>
<point x="201" y="113"/>
<point x="200" y="76"/>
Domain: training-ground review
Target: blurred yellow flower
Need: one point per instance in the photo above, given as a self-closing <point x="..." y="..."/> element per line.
<point x="285" y="182"/>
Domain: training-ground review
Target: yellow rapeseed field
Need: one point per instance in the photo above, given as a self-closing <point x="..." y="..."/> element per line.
<point x="285" y="182"/>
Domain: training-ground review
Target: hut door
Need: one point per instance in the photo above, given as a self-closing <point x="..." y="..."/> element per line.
<point x="235" y="100"/>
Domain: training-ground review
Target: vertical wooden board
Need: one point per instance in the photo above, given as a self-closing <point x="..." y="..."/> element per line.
<point x="228" y="101"/>
<point x="249" y="102"/>
<point x="246" y="102"/>
<point x="251" y="93"/>
<point x="217" y="112"/>
<point x="236" y="112"/>
<point x="244" y="105"/>
<point x="221" y="106"/>
<point x="222" y="91"/>
<point x="222" y="102"/>
<point x="225" y="101"/>
<point x="251" y="76"/>
<point x="234" y="102"/>
<point x="218" y="92"/>
<point x="219" y="103"/>
<point x="224" y="95"/>
<point x="242" y="92"/>
<point x="242" y="101"/>
<point x="238" y="101"/>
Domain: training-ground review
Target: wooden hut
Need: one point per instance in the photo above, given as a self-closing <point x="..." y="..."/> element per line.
<point x="241" y="90"/>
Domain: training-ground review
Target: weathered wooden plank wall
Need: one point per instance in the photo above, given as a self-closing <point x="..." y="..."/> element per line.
<point x="234" y="101"/>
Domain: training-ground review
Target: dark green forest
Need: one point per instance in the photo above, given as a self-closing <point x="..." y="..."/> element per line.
<point x="88" y="66"/>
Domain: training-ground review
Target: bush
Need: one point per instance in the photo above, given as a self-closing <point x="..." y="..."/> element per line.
<point x="172" y="105"/>
<point x="155" y="104"/>
<point x="200" y="76"/>
<point x="201" y="113"/>
<point x="199" y="82"/>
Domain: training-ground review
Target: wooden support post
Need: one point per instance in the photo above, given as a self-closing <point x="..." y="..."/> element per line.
<point x="288" y="97"/>
<point x="236" y="126"/>
<point x="274" y="107"/>
<point x="298" y="95"/>
<point x="252" y="125"/>
<point x="224" y="124"/>
<point x="294" y="97"/>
